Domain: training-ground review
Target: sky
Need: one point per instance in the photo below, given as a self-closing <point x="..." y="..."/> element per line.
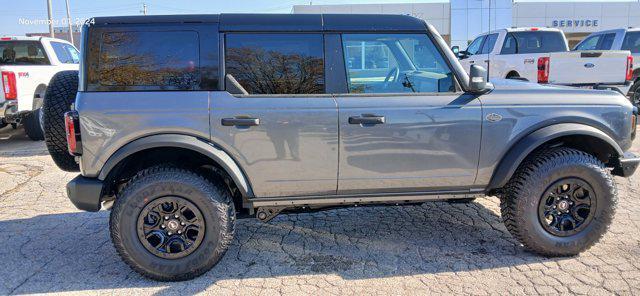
<point x="18" y="17"/>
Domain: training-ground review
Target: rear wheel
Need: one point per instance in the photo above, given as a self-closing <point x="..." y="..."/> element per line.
<point x="559" y="202"/>
<point x="634" y="93"/>
<point x="33" y="125"/>
<point x="61" y="93"/>
<point x="171" y="224"/>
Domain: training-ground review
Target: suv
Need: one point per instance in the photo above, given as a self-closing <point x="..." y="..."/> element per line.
<point x="618" y="39"/>
<point x="181" y="124"/>
<point x="27" y="65"/>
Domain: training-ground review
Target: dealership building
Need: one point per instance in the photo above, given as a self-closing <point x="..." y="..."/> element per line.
<point x="459" y="21"/>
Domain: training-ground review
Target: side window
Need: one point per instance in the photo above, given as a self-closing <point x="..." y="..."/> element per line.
<point x="274" y="63"/>
<point x="510" y="45"/>
<point x="607" y="41"/>
<point x="489" y="43"/>
<point x="395" y="63"/>
<point x="590" y="43"/>
<point x="632" y="42"/>
<point x="147" y="60"/>
<point x="474" y="47"/>
<point x="66" y="53"/>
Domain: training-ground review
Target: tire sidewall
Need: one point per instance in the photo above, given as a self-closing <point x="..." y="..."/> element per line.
<point x="202" y="259"/>
<point x="540" y="182"/>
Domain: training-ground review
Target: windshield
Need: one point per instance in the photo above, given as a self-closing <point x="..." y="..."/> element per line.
<point x="22" y="53"/>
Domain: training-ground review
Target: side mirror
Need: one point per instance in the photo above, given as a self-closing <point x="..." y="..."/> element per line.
<point x="477" y="79"/>
<point x="455" y="49"/>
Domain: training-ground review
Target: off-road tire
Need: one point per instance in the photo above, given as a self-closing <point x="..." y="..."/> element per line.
<point x="212" y="199"/>
<point x="33" y="126"/>
<point x="523" y="193"/>
<point x="61" y="93"/>
<point x="634" y="93"/>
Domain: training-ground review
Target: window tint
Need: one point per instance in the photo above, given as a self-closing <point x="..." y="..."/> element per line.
<point x="22" y="53"/>
<point x="590" y="43"/>
<point x="66" y="53"/>
<point x="276" y="63"/>
<point x="474" y="47"/>
<point x="139" y="60"/>
<point x="489" y="43"/>
<point x="538" y="42"/>
<point x="607" y="41"/>
<point x="510" y="45"/>
<point x="632" y="42"/>
<point x="394" y="63"/>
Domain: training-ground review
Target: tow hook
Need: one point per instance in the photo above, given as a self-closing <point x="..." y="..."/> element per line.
<point x="265" y="214"/>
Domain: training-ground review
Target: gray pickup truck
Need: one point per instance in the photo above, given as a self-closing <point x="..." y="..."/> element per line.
<point x="181" y="124"/>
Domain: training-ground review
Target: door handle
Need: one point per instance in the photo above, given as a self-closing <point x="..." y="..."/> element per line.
<point x="471" y="62"/>
<point x="240" y="121"/>
<point x="366" y="119"/>
<point x="486" y="61"/>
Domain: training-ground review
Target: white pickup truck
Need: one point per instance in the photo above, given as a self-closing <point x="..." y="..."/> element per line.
<point x="27" y="65"/>
<point x="618" y="39"/>
<point x="542" y="55"/>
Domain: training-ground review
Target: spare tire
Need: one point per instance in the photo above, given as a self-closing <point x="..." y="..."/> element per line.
<point x="61" y="93"/>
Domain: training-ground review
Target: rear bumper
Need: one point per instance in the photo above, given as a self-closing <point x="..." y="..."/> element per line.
<point x="627" y="165"/>
<point x="85" y="193"/>
<point x="621" y="88"/>
<point x="8" y="109"/>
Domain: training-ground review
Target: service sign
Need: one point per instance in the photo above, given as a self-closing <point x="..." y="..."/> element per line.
<point x="575" y="23"/>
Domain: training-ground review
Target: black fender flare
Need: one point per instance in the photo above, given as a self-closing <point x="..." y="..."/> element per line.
<point x="521" y="149"/>
<point x="199" y="145"/>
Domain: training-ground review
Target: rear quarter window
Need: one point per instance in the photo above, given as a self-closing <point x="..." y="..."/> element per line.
<point x="534" y="42"/>
<point x="22" y="53"/>
<point x="152" y="60"/>
<point x="632" y="42"/>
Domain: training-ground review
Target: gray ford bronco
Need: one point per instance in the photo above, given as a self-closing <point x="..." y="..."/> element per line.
<point x="181" y="124"/>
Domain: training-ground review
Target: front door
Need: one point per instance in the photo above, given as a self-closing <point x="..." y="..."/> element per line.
<point x="275" y="119"/>
<point x="403" y="125"/>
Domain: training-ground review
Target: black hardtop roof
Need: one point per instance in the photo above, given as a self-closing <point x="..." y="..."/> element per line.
<point x="281" y="22"/>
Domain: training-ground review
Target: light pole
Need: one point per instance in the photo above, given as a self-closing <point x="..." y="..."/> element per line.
<point x="69" y="22"/>
<point x="51" y="34"/>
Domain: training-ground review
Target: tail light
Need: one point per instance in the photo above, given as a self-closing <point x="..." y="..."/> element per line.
<point x="72" y="127"/>
<point x="543" y="69"/>
<point x="629" y="74"/>
<point x="9" y="85"/>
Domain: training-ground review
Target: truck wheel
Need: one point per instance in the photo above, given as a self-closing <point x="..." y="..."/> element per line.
<point x="171" y="224"/>
<point x="33" y="126"/>
<point x="559" y="202"/>
<point x="61" y="93"/>
<point x="634" y="94"/>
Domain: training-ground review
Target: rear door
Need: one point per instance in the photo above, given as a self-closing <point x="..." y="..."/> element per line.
<point x="404" y="126"/>
<point x="275" y="119"/>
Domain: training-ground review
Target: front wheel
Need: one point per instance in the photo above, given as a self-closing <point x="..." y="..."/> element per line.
<point x="559" y="202"/>
<point x="171" y="224"/>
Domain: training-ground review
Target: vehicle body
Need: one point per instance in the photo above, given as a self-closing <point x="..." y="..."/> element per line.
<point x="27" y="65"/>
<point x="618" y="39"/>
<point x="541" y="55"/>
<point x="222" y="128"/>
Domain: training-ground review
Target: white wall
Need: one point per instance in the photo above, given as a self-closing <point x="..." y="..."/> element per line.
<point x="606" y="15"/>
<point x="437" y="14"/>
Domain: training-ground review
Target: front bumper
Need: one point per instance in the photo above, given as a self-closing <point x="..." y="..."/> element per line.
<point x="85" y="193"/>
<point x="627" y="165"/>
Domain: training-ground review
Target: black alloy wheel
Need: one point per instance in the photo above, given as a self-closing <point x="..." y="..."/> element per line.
<point x="567" y="207"/>
<point x="171" y="227"/>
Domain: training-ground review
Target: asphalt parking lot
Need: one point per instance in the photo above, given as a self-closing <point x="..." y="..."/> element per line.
<point x="49" y="246"/>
